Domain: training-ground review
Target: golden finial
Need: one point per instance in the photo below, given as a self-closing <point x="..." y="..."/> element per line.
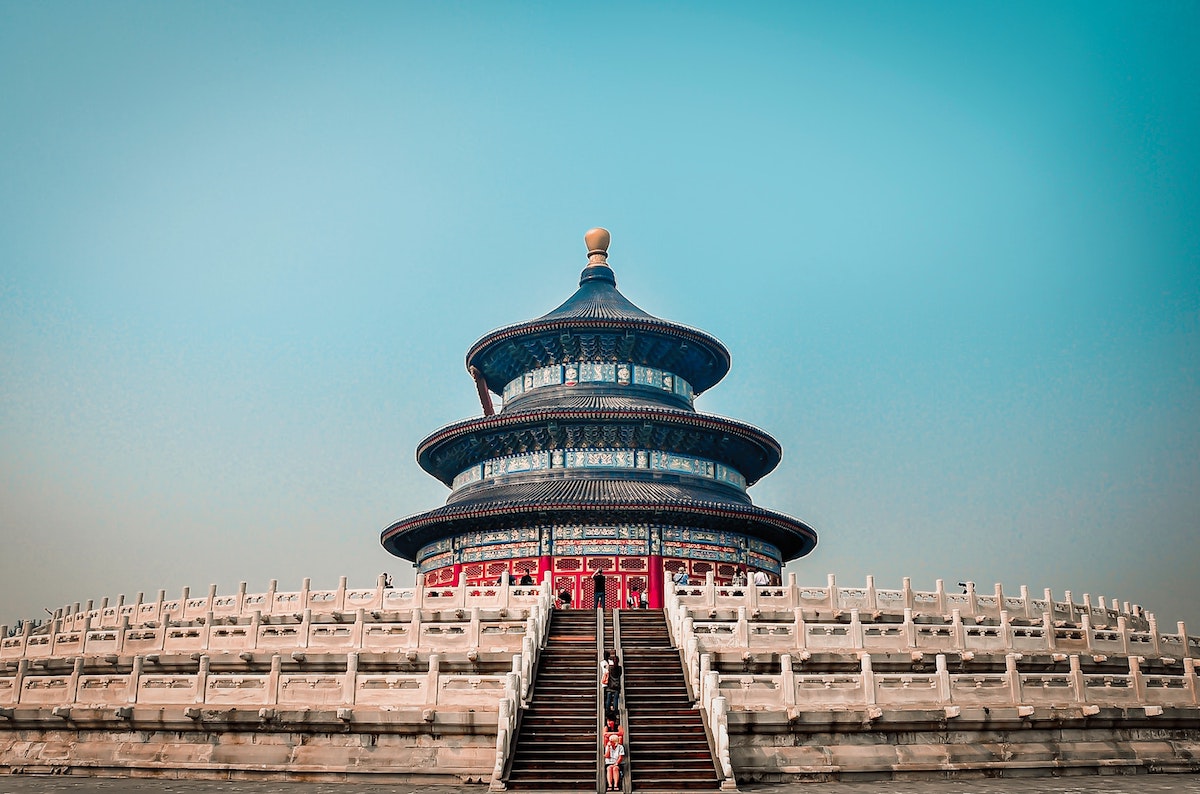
<point x="597" y="242"/>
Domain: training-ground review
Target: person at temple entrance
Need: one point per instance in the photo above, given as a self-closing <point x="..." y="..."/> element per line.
<point x="598" y="583"/>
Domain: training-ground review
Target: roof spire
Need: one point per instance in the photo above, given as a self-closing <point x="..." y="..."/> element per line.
<point x="597" y="242"/>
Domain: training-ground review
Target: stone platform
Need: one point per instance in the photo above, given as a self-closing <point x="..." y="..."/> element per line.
<point x="1089" y="784"/>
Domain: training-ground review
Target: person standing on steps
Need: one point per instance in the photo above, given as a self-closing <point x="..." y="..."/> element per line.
<point x="612" y="687"/>
<point x="598" y="582"/>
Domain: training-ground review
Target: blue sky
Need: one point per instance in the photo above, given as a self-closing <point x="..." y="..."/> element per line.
<point x="952" y="247"/>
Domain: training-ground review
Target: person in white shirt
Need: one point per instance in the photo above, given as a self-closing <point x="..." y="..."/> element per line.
<point x="761" y="579"/>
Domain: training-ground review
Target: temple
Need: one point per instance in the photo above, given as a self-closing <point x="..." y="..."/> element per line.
<point x="598" y="460"/>
<point x="474" y="674"/>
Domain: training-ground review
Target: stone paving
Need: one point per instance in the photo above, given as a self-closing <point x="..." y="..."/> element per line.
<point x="1132" y="784"/>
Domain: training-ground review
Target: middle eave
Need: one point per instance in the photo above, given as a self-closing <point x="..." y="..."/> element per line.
<point x="453" y="448"/>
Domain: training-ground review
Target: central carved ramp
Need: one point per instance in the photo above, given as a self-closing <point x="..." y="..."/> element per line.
<point x="557" y="746"/>
<point x="668" y="744"/>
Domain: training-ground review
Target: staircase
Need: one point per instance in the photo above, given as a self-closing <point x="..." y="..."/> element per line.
<point x="666" y="740"/>
<point x="557" y="743"/>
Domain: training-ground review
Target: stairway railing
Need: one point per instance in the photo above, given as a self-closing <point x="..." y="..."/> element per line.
<point x="519" y="687"/>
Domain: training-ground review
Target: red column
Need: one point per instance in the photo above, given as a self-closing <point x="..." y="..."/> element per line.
<point x="654" y="588"/>
<point x="545" y="566"/>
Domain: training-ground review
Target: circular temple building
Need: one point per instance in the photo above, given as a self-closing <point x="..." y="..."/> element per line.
<point x="598" y="460"/>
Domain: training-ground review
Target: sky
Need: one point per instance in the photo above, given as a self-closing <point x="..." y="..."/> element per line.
<point x="952" y="247"/>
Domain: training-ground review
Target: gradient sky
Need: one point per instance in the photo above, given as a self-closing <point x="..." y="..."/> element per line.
<point x="953" y="248"/>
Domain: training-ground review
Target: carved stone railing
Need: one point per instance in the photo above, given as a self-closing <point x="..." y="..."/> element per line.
<point x="832" y="599"/>
<point x="791" y="689"/>
<point x="273" y="602"/>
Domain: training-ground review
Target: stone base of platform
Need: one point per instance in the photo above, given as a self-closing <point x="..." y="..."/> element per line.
<point x="996" y="742"/>
<point x="405" y="745"/>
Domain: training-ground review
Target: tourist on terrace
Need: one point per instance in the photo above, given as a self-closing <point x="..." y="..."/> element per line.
<point x="564" y="598"/>
<point x="761" y="579"/>
<point x="598" y="583"/>
<point x="526" y="579"/>
<point x="614" y="751"/>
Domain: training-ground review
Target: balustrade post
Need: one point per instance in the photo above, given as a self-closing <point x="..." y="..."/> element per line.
<point x="241" y="597"/>
<point x="712" y="689"/>
<point x="135" y="677"/>
<point x="692" y="660"/>
<point x="1048" y="629"/>
<point x="339" y="598"/>
<point x="414" y="629"/>
<point x="1181" y="629"/>
<point x="122" y="628"/>
<point x="1139" y="681"/>
<point x="1154" y="638"/>
<point x="799" y="629"/>
<point x="1085" y="621"/>
<point x="273" y="679"/>
<point x="206" y="637"/>
<point x="907" y="594"/>
<point x="787" y="680"/>
<point x="305" y="590"/>
<point x="910" y="629"/>
<point x="705" y="670"/>
<point x="743" y="628"/>
<point x="350" y="683"/>
<point x="710" y="589"/>
<point x="793" y="596"/>
<point x="1014" y="677"/>
<point x="972" y="599"/>
<point x="943" y="679"/>
<point x="956" y="628"/>
<point x="1069" y="598"/>
<point x="939" y="592"/>
<point x="359" y="630"/>
<point x="474" y="628"/>
<point x="868" y="680"/>
<point x="431" y="682"/>
<point x="1006" y="637"/>
<point x="22" y="671"/>
<point x="832" y="593"/>
<point x="1190" y="681"/>
<point x="73" y="685"/>
<point x="1123" y="630"/>
<point x="503" y="720"/>
<point x="1027" y="612"/>
<point x="255" y="622"/>
<point x="856" y="630"/>
<point x="202" y="679"/>
<point x="1000" y="605"/>
<point x="158" y="606"/>
<point x="720" y="726"/>
<point x="871" y="594"/>
<point x="1077" y="681"/>
<point x="305" y="627"/>
<point x="527" y="654"/>
<point x="270" y="605"/>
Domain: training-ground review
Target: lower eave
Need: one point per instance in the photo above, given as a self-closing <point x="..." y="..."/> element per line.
<point x="408" y="536"/>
